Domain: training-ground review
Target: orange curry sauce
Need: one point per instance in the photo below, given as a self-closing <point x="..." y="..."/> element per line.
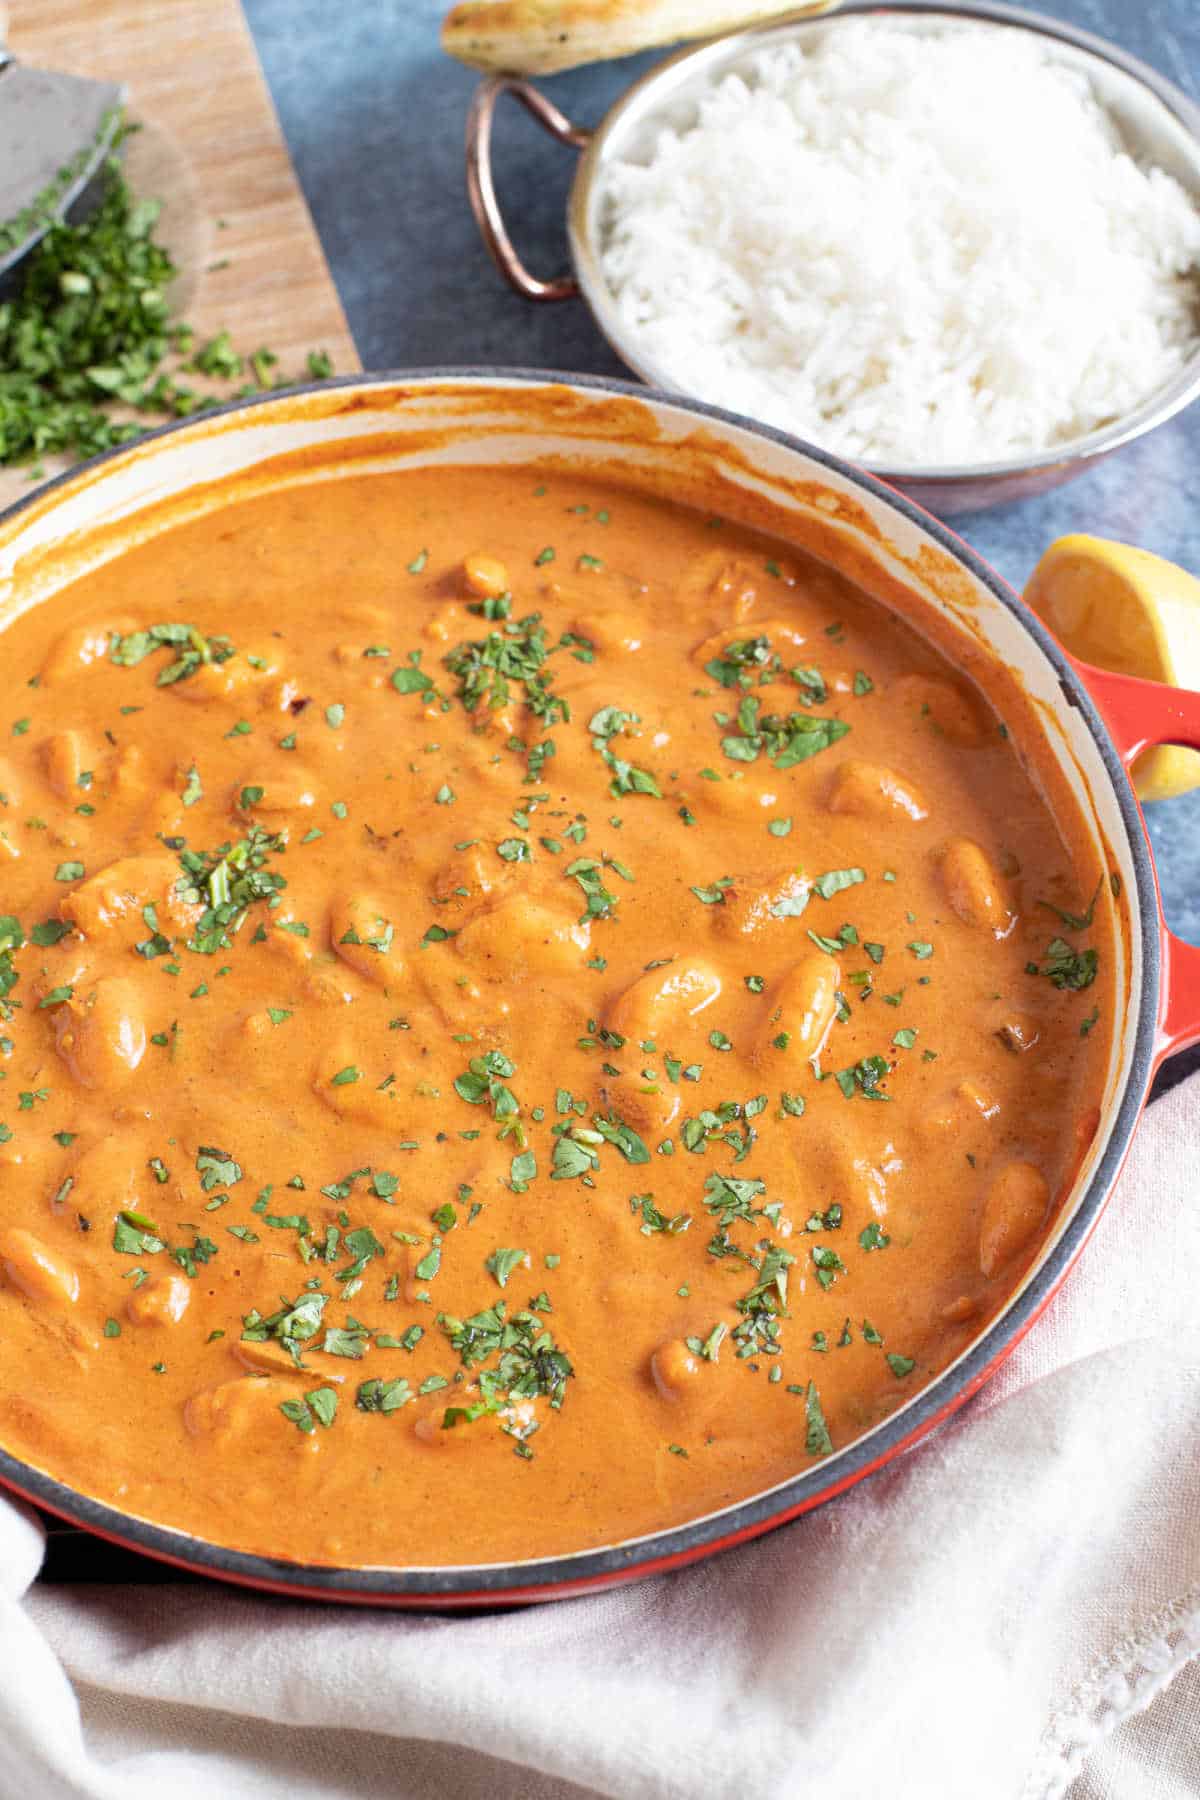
<point x="528" y="1017"/>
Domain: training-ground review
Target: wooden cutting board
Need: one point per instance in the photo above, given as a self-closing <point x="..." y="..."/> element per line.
<point x="234" y="217"/>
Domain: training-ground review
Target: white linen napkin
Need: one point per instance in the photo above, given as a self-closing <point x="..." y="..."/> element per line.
<point x="1009" y="1613"/>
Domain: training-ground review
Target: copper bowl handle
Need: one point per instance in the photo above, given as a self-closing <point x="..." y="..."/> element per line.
<point x="482" y="190"/>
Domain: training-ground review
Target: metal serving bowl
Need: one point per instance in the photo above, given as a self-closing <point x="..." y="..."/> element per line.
<point x="1158" y="122"/>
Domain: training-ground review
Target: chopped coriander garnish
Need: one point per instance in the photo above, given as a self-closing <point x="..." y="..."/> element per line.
<point x="1065" y="967"/>
<point x="817" y="1440"/>
<point x="502" y="1263"/>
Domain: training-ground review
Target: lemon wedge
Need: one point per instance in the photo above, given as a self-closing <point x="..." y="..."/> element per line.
<point x="1134" y="613"/>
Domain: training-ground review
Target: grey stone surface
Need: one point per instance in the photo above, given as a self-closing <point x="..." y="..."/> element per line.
<point x="374" y="113"/>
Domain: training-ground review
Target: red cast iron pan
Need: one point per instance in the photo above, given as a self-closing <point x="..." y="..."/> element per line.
<point x="1119" y="716"/>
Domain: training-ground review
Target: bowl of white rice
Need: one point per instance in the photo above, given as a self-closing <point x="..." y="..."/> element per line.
<point x="959" y="247"/>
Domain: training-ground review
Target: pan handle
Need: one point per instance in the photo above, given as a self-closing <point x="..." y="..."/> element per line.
<point x="482" y="189"/>
<point x="1140" y="715"/>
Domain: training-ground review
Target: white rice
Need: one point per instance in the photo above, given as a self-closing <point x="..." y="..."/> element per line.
<point x="911" y="249"/>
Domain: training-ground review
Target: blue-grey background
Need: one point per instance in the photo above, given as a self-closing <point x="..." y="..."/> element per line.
<point x="373" y="113"/>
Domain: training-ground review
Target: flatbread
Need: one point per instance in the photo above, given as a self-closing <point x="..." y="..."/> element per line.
<point x="538" y="37"/>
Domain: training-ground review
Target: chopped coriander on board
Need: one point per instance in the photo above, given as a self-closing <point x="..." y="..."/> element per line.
<point x="89" y="351"/>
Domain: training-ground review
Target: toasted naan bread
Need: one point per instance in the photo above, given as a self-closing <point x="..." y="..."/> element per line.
<point x="536" y="37"/>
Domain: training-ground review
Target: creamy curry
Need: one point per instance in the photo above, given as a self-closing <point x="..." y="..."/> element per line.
<point x="529" y="1014"/>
